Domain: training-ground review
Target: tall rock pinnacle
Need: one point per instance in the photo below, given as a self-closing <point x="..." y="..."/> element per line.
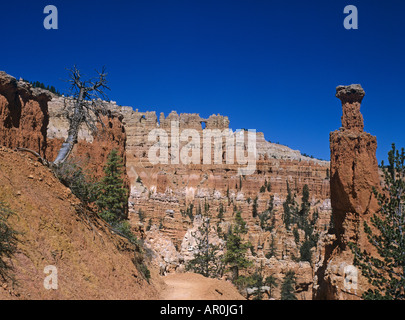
<point x="351" y="97"/>
<point x="354" y="173"/>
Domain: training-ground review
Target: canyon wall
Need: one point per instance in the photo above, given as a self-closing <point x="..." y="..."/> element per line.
<point x="166" y="198"/>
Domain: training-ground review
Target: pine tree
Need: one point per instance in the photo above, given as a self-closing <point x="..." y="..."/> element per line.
<point x="288" y="286"/>
<point x="8" y="242"/>
<point x="271" y="281"/>
<point x="268" y="186"/>
<point x="221" y="212"/>
<point x="207" y="259"/>
<point x="236" y="248"/>
<point x="257" y="281"/>
<point x="272" y="248"/>
<point x="386" y="271"/>
<point x="305" y="251"/>
<point x="254" y="208"/>
<point x="289" y="207"/>
<point x="112" y="195"/>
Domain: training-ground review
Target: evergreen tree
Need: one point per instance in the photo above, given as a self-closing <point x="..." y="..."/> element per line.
<point x="303" y="213"/>
<point x="272" y="215"/>
<point x="305" y="251"/>
<point x="207" y="259"/>
<point x="271" y="282"/>
<point x="296" y="235"/>
<point x="82" y="184"/>
<point x="236" y="248"/>
<point x="289" y="207"/>
<point x="288" y="286"/>
<point x="254" y="208"/>
<point x="8" y="242"/>
<point x="272" y="249"/>
<point x="221" y="211"/>
<point x="257" y="281"/>
<point x="113" y="196"/>
<point x="385" y="271"/>
<point x="189" y="211"/>
<point x="268" y="186"/>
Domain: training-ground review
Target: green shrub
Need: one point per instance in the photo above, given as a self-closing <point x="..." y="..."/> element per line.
<point x="8" y="242"/>
<point x="82" y="184"/>
<point x="112" y="196"/>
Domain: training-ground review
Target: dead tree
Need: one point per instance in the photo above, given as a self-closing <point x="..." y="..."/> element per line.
<point x="85" y="106"/>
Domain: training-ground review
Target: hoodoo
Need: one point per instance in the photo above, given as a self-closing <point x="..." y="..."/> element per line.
<point x="354" y="173"/>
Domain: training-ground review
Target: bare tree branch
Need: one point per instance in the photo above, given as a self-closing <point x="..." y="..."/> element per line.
<point x="85" y="107"/>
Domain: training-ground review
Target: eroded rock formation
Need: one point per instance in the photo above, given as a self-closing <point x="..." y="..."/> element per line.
<point x="33" y="118"/>
<point x="23" y="115"/>
<point x="354" y="173"/>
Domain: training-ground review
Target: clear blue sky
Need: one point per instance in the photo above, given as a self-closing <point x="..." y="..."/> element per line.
<point x="269" y="65"/>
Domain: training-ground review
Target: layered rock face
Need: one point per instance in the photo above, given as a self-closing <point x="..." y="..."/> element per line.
<point x="354" y="173"/>
<point x="23" y="115"/>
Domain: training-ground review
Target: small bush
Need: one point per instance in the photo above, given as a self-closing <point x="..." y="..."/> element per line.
<point x="82" y="185"/>
<point x="8" y="242"/>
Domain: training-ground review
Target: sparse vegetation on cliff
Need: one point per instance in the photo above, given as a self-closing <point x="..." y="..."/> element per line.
<point x="8" y="242"/>
<point x="289" y="208"/>
<point x="82" y="184"/>
<point x="109" y="196"/>
<point x="37" y="84"/>
<point x="386" y="271"/>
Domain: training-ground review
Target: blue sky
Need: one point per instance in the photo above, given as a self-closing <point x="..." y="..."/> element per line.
<point x="269" y="65"/>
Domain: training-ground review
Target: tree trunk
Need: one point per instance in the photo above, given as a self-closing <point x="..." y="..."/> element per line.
<point x="235" y="273"/>
<point x="73" y="132"/>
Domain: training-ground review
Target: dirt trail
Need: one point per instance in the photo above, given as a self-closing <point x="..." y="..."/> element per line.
<point x="191" y="286"/>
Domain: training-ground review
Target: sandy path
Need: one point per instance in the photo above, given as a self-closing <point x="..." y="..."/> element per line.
<point x="190" y="286"/>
